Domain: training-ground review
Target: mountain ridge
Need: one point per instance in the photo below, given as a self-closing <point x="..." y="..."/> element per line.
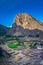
<point x="23" y="25"/>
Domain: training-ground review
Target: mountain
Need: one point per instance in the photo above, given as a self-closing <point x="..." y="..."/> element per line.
<point x="23" y="25"/>
<point x="27" y="22"/>
<point x="3" y="30"/>
<point x="26" y="25"/>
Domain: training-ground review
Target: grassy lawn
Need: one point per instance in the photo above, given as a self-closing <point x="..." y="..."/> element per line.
<point x="12" y="45"/>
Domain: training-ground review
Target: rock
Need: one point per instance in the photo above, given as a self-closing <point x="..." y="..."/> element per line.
<point x="27" y="21"/>
<point x="23" y="26"/>
<point x="41" y="62"/>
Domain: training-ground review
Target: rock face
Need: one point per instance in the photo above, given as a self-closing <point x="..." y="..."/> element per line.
<point x="27" y="22"/>
<point x="3" y="53"/>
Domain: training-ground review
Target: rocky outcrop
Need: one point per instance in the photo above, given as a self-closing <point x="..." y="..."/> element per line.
<point x="20" y="31"/>
<point x="27" y="22"/>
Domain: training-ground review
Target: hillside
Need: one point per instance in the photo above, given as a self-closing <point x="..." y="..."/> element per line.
<point x="3" y="29"/>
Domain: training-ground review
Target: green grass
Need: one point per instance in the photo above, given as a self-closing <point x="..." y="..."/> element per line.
<point x="12" y="45"/>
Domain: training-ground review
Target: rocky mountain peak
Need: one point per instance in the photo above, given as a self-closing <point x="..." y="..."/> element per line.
<point x="27" y="22"/>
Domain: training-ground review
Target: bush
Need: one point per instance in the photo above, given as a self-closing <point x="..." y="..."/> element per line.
<point x="32" y="45"/>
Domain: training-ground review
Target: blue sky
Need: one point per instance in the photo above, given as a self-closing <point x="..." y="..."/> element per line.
<point x="9" y="8"/>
